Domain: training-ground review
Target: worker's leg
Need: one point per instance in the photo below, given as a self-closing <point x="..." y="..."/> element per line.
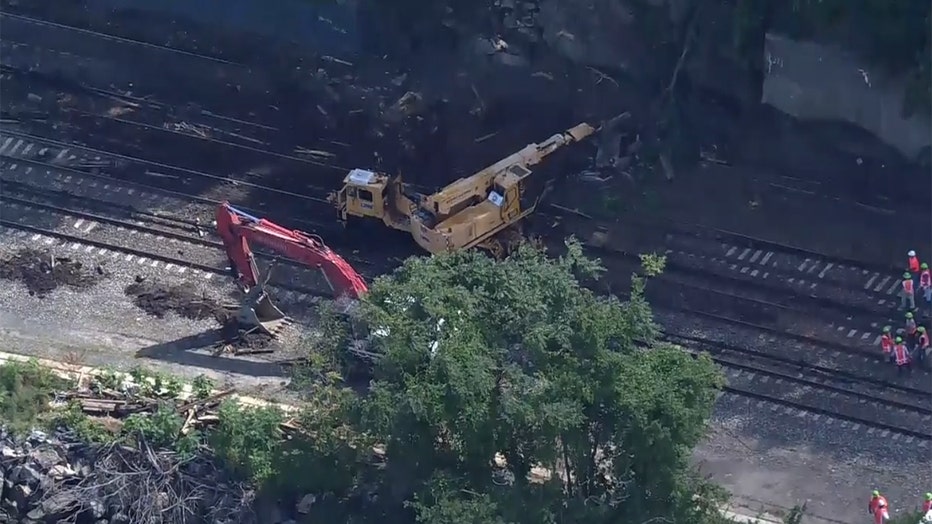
<point x="911" y="298"/>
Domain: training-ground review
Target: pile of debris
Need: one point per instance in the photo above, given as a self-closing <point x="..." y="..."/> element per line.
<point x="158" y="300"/>
<point x="59" y="478"/>
<point x="42" y="272"/>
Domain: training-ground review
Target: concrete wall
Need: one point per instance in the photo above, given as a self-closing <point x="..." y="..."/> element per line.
<point x="326" y="28"/>
<point x="813" y="81"/>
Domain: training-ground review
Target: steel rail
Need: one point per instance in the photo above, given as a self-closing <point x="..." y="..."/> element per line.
<point x="96" y="217"/>
<point x="120" y="39"/>
<point x="219" y="178"/>
<point x="99" y="174"/>
<point x="145" y="254"/>
<point x="828" y="413"/>
<point x="841" y="375"/>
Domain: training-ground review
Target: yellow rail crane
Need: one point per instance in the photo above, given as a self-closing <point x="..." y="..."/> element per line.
<point x="476" y="211"/>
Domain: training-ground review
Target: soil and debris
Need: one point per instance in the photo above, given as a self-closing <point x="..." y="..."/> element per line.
<point x="158" y="300"/>
<point x="42" y="272"/>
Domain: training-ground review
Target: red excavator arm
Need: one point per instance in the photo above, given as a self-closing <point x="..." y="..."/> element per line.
<point x="237" y="228"/>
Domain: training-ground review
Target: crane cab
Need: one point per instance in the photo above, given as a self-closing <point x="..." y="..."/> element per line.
<point x="363" y="195"/>
<point x="367" y="194"/>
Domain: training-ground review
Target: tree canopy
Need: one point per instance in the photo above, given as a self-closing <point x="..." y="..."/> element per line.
<point x="509" y="392"/>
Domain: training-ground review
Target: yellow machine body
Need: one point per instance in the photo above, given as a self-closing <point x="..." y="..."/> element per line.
<point x="470" y="212"/>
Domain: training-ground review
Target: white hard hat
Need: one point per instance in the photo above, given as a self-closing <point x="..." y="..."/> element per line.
<point x="911" y="253"/>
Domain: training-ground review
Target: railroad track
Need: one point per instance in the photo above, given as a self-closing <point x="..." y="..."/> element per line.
<point x="120" y="228"/>
<point x="820" y="391"/>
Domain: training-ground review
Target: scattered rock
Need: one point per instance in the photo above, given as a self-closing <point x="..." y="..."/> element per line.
<point x="42" y="272"/>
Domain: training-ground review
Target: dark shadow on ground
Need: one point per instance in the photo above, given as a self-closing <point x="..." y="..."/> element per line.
<point x="184" y="351"/>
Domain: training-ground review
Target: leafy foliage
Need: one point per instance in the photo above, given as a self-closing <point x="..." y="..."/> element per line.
<point x="249" y="441"/>
<point x="25" y="392"/>
<point x="519" y="359"/>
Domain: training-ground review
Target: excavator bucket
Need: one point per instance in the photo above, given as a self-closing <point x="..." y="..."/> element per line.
<point x="258" y="311"/>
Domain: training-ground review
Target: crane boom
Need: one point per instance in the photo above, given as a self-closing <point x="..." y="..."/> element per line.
<point x="237" y="229"/>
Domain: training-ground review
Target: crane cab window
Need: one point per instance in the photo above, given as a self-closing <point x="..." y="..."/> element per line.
<point x="364" y="194"/>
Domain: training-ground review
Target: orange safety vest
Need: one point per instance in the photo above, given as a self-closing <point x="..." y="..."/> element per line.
<point x="925" y="278"/>
<point x="913" y="264"/>
<point x="924" y="340"/>
<point x="908" y="286"/>
<point x="901" y="354"/>
<point x="927" y="506"/>
<point x="886" y="344"/>
<point x="879" y="508"/>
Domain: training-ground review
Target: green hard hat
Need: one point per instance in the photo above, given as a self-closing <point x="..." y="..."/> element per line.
<point x="875" y="493"/>
<point x="928" y="496"/>
<point x="899" y="339"/>
<point x="921" y="329"/>
<point x="886" y="329"/>
<point x="924" y="265"/>
<point x="909" y="315"/>
<point x="906" y="276"/>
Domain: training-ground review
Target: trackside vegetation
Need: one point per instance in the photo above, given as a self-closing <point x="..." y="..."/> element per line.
<point x="500" y="392"/>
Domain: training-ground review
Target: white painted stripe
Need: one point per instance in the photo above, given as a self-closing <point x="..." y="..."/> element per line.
<point x="893" y="287"/>
<point x="15" y="147"/>
<point x="6" y="144"/>
<point x="765" y="275"/>
<point x="731" y="251"/>
<point x="871" y="281"/>
<point x="756" y="255"/>
<point x="75" y="245"/>
<point x="882" y="284"/>
<point x="877" y="340"/>
<point x="77" y="224"/>
<point x="90" y="227"/>
<point x="803" y="265"/>
<point x="744" y="269"/>
<point x="766" y="257"/>
<point x="826" y="270"/>
<point x="35" y="237"/>
<point x="27" y="149"/>
<point x="865" y="336"/>
<point x="852" y="333"/>
<point x="182" y="269"/>
<point x="141" y="261"/>
<point x="813" y="267"/>
<point x="842" y="328"/>
<point x="744" y="254"/>
<point x="754" y="273"/>
<point x="129" y="257"/>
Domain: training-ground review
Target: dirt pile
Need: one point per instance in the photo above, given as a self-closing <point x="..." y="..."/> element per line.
<point x="42" y="272"/>
<point x="158" y="300"/>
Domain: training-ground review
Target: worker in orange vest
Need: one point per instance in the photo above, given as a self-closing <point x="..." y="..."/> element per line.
<point x="922" y="344"/>
<point x="925" y="282"/>
<point x="878" y="507"/>
<point x="908" y="296"/>
<point x="913" y="263"/>
<point x="927" y="504"/>
<point x="901" y="357"/>
<point x="886" y="343"/>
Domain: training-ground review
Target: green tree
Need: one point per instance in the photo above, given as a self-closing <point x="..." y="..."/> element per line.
<point x="518" y="358"/>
